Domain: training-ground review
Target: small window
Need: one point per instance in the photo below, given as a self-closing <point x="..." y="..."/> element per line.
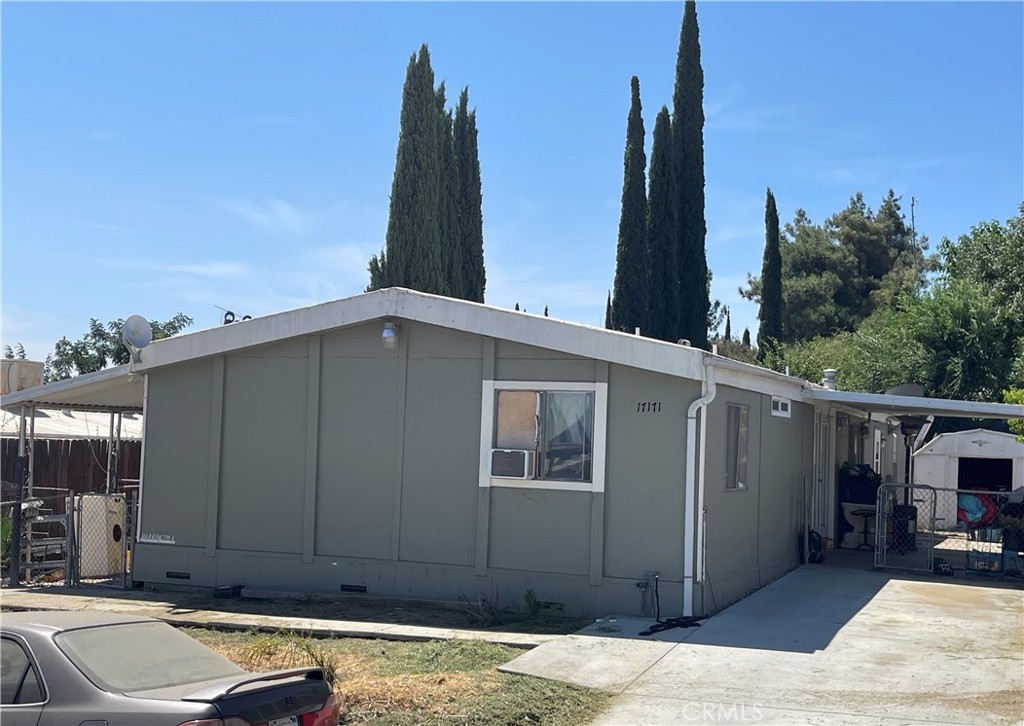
<point x="557" y="426"/>
<point x="780" y="407"/>
<point x="19" y="683"/>
<point x="736" y="435"/>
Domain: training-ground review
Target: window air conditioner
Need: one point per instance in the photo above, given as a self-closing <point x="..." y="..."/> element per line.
<point x="512" y="463"/>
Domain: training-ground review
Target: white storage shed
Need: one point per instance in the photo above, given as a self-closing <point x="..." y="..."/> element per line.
<point x="975" y="459"/>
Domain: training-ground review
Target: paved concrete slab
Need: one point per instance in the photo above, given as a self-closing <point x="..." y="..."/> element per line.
<point x="174" y="613"/>
<point x="821" y="645"/>
<point x="597" y="662"/>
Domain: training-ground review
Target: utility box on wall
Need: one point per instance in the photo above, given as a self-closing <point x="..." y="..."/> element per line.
<point x="99" y="523"/>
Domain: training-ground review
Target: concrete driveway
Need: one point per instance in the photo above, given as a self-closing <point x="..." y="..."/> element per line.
<point x="822" y="645"/>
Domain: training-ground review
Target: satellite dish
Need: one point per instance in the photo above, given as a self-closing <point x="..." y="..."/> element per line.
<point x="136" y="333"/>
<point x="906" y="389"/>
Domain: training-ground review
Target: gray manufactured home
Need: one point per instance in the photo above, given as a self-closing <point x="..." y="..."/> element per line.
<point x="408" y="445"/>
<point x="488" y="452"/>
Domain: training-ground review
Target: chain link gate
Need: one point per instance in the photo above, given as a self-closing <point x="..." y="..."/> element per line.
<point x="102" y="529"/>
<point x="949" y="532"/>
<point x="905" y="527"/>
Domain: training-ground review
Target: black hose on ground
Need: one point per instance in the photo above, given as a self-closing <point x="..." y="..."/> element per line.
<point x="686" y="621"/>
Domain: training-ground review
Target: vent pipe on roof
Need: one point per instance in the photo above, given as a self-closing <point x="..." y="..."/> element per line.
<point x="829" y="381"/>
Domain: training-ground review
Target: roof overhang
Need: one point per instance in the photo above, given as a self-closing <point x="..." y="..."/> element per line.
<point x="894" y="406"/>
<point x="112" y="389"/>
<point x="400" y="304"/>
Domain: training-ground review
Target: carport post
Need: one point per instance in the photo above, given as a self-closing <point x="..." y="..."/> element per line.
<point x="32" y="451"/>
<point x="16" y="514"/>
<point x="110" y="452"/>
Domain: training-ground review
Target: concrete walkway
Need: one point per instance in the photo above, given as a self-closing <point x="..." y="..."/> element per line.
<point x="198" y="610"/>
<point x="822" y="645"/>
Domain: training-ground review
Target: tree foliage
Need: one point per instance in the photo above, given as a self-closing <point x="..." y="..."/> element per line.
<point x="769" y="331"/>
<point x="101" y="346"/>
<point x="470" y="201"/>
<point x="962" y="337"/>
<point x="434" y="239"/>
<point x="688" y="165"/>
<point x="839" y="273"/>
<point x="630" y="303"/>
<point x="661" y="239"/>
<point x="15" y="353"/>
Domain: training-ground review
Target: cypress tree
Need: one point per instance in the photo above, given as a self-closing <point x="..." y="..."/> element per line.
<point x="663" y="319"/>
<point x="728" y="325"/>
<point x="769" y="315"/>
<point x="413" y="256"/>
<point x="470" y="201"/>
<point x="452" y="284"/>
<point x="630" y="309"/>
<point x="608" y="313"/>
<point x="688" y="162"/>
<point x="746" y="338"/>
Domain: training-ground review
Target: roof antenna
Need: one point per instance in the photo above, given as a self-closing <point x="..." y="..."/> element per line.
<point x="230" y="317"/>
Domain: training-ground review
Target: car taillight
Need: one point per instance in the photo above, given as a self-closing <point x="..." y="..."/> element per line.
<point x="233" y="721"/>
<point x="326" y="715"/>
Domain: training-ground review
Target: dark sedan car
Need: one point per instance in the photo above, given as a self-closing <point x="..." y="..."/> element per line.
<point x="98" y="669"/>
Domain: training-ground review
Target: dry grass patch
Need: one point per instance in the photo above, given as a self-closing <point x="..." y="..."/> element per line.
<point x="433" y="682"/>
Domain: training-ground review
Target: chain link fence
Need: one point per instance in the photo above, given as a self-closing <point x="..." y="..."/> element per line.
<point x="949" y="532"/>
<point x="73" y="539"/>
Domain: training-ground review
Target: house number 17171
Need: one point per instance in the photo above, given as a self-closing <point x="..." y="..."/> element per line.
<point x="648" y="407"/>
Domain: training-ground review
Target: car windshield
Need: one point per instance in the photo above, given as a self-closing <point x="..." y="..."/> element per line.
<point x="141" y="656"/>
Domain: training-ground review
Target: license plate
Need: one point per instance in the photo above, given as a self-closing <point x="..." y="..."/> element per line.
<point x="290" y="721"/>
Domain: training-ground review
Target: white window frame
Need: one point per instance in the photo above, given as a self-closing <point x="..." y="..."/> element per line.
<point x="487" y="424"/>
<point x="787" y="413"/>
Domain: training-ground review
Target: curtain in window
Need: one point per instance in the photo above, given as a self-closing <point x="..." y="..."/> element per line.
<point x="568" y="432"/>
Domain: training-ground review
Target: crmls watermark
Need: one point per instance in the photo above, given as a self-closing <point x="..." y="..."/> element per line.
<point x="722" y="713"/>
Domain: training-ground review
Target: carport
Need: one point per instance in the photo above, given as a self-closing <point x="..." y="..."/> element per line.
<point x="114" y="391"/>
<point x="900" y="520"/>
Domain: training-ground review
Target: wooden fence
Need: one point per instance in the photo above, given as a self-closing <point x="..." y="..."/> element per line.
<point x="78" y="464"/>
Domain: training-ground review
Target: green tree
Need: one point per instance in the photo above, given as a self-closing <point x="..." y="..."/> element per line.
<point x="413" y="256"/>
<point x="961" y="338"/>
<point x="16" y="353"/>
<point x="608" y="313"/>
<point x="992" y="255"/>
<point x="470" y="201"/>
<point x="769" y="316"/>
<point x="1016" y="395"/>
<point x="838" y="274"/>
<point x="688" y="163"/>
<point x="452" y="284"/>
<point x="101" y="346"/>
<point x="663" y="320"/>
<point x="631" y="307"/>
<point x="728" y="326"/>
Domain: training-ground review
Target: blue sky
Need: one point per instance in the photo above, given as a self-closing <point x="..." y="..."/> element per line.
<point x="174" y="157"/>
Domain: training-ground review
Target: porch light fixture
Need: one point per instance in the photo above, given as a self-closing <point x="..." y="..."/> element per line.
<point x="389" y="336"/>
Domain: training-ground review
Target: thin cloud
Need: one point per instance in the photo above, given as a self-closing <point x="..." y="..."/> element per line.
<point x="270" y="216"/>
<point x="217" y="269"/>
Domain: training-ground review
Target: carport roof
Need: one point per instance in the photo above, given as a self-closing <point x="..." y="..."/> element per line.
<point x="890" y="405"/>
<point x="112" y="389"/>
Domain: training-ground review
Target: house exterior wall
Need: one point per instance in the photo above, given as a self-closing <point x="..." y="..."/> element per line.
<point x="327" y="463"/>
<point x="753" y="535"/>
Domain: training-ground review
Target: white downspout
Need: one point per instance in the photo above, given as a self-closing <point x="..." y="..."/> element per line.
<point x="689" y="521"/>
<point x="709" y="396"/>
